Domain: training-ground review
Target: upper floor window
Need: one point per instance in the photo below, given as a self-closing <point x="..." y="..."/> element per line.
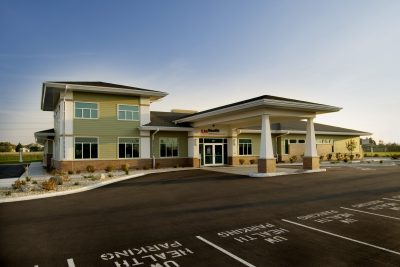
<point x="128" y="112"/>
<point x="245" y="147"/>
<point x="86" y="110"/>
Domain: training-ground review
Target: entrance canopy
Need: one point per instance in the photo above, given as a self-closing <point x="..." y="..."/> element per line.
<point x="248" y="113"/>
<point x="262" y="111"/>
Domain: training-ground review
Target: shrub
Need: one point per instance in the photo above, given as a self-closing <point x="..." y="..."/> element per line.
<point x="34" y="182"/>
<point x="58" y="180"/>
<point x="78" y="171"/>
<point x="70" y="172"/>
<point x="18" y="184"/>
<point x="76" y="183"/>
<point x="321" y="157"/>
<point x="351" y="157"/>
<point x="395" y="156"/>
<point x="293" y="159"/>
<point x="329" y="156"/>
<point x="376" y="155"/>
<point x="90" y="168"/>
<point x="65" y="178"/>
<point x="110" y="175"/>
<point x="125" y="167"/>
<point x="241" y="161"/>
<point x="252" y="161"/>
<point x="358" y="156"/>
<point x="109" y="168"/>
<point x="49" y="185"/>
<point x="7" y="193"/>
<point x="28" y="179"/>
<point x="381" y="161"/>
<point x="345" y="160"/>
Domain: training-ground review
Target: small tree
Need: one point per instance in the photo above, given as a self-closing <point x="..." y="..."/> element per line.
<point x="351" y="146"/>
<point x="18" y="147"/>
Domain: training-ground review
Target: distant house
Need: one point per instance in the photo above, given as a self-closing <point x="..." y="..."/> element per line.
<point x="103" y="124"/>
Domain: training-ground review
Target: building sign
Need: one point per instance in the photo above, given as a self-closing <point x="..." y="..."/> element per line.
<point x="210" y="131"/>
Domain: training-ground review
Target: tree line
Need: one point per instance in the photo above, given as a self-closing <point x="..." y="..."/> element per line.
<point x="9" y="147"/>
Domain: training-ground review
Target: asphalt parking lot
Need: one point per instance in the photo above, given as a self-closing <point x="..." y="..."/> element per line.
<point x="344" y="217"/>
<point x="11" y="170"/>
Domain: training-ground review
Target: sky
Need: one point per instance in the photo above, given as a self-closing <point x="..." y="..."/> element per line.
<point x="206" y="54"/>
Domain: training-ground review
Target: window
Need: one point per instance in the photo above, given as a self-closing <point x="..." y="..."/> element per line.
<point x="128" y="113"/>
<point x="168" y="147"/>
<point x="292" y="141"/>
<point x="86" y="148"/>
<point x="128" y="148"/>
<point x="86" y="110"/>
<point x="245" y="147"/>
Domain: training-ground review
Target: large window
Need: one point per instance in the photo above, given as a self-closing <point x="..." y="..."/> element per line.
<point x="168" y="147"/>
<point x="86" y="110"/>
<point x="86" y="148"/>
<point x="128" y="148"/>
<point x="245" y="147"/>
<point x="128" y="113"/>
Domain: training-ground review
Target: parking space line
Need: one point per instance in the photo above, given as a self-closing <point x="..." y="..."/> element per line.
<point x="391" y="199"/>
<point x="225" y="251"/>
<point x="71" y="262"/>
<point x="371" y="213"/>
<point x="343" y="237"/>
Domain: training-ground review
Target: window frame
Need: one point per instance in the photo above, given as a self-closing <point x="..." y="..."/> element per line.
<point x="82" y="118"/>
<point x="159" y="148"/>
<point x="138" y="112"/>
<point x="130" y="137"/>
<point x="97" y="143"/>
<point x="245" y="145"/>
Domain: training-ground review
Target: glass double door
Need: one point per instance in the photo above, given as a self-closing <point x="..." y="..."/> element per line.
<point x="213" y="154"/>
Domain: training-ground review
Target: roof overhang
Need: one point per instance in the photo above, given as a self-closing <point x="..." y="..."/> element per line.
<point x="304" y="132"/>
<point x="283" y="108"/>
<point x="51" y="92"/>
<point x="42" y="136"/>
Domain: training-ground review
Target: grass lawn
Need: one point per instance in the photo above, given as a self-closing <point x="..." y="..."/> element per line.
<point x="13" y="157"/>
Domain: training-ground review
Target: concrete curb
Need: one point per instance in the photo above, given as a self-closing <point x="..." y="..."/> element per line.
<point x="85" y="188"/>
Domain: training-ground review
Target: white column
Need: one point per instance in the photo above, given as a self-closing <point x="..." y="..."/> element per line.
<point x="233" y="144"/>
<point x="145" y="152"/>
<point x="193" y="147"/>
<point x="311" y="144"/>
<point x="266" y="149"/>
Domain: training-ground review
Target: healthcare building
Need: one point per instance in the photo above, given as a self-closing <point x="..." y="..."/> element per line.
<point x="103" y="124"/>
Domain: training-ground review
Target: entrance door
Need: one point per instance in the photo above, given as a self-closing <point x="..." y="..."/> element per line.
<point x="213" y="154"/>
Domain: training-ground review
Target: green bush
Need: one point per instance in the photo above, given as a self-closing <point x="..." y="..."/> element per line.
<point x="70" y="172"/>
<point x="241" y="161"/>
<point x="252" y="161"/>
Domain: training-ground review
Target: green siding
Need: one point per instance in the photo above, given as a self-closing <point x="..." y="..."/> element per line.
<point x="182" y="143"/>
<point x="107" y="127"/>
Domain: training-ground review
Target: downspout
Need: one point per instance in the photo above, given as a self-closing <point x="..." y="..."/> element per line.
<point x="276" y="143"/>
<point x="152" y="147"/>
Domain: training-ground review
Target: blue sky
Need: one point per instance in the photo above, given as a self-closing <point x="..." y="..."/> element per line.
<point x="206" y="54"/>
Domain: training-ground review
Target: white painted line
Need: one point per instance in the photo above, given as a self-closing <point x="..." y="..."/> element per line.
<point x="391" y="199"/>
<point x="371" y="213"/>
<point x="225" y="251"/>
<point x="343" y="237"/>
<point x="71" y="262"/>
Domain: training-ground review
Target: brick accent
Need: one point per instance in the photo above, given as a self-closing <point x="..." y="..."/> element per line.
<point x="266" y="165"/>
<point x="235" y="160"/>
<point x="116" y="164"/>
<point x="311" y="163"/>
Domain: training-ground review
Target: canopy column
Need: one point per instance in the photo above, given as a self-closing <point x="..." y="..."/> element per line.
<point x="266" y="161"/>
<point x="311" y="158"/>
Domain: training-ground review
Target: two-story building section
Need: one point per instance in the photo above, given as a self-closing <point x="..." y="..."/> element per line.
<point x="103" y="124"/>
